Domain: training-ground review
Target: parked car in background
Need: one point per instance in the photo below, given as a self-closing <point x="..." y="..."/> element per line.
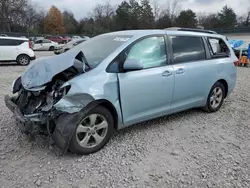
<point x="85" y="37"/>
<point x="57" y="39"/>
<point x="118" y="79"/>
<point x="65" y="47"/>
<point x="35" y="38"/>
<point x="16" y="49"/>
<point x="44" y="44"/>
<point x="66" y="38"/>
<point x="76" y="38"/>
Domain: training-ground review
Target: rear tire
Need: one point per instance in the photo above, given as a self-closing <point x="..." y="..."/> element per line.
<point x="94" y="131"/>
<point x="52" y="48"/>
<point x="23" y="60"/>
<point x="215" y="98"/>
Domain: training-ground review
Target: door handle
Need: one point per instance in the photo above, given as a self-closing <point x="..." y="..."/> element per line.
<point x="166" y="73"/>
<point x="180" y="71"/>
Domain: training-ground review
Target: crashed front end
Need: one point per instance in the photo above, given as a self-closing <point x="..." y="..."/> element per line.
<point x="39" y="104"/>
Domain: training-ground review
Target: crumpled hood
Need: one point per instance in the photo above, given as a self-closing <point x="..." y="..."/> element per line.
<point x="43" y="70"/>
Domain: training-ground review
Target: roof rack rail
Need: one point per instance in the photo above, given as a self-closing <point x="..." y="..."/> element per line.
<point x="191" y="29"/>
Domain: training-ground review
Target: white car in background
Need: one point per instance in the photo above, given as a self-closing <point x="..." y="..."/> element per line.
<point x="76" y="38"/>
<point x="65" y="47"/>
<point x="85" y="37"/>
<point x="13" y="49"/>
<point x="45" y="45"/>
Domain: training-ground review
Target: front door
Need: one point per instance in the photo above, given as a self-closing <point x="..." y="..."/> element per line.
<point x="38" y="45"/>
<point x="147" y="93"/>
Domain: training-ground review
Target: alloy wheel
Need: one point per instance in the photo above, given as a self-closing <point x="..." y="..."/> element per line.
<point x="216" y="97"/>
<point x="24" y="60"/>
<point x="91" y="131"/>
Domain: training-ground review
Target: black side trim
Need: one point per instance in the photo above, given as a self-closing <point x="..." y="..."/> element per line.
<point x="33" y="58"/>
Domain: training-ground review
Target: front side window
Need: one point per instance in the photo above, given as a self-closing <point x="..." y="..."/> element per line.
<point x="38" y="42"/>
<point x="46" y="41"/>
<point x="187" y="49"/>
<point x="150" y="51"/>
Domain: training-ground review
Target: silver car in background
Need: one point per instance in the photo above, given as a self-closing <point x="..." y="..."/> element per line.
<point x="118" y="79"/>
<point x="44" y="45"/>
<point x="65" y="47"/>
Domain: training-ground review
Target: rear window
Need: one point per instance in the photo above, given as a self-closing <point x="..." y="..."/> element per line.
<point x="217" y="47"/>
<point x="11" y="42"/>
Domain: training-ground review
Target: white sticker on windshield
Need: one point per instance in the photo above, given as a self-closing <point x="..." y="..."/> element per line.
<point x="121" y="39"/>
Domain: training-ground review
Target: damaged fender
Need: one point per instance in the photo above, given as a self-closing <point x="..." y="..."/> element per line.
<point x="73" y="103"/>
<point x="66" y="125"/>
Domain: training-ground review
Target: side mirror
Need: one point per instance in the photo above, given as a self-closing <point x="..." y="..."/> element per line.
<point x="132" y="64"/>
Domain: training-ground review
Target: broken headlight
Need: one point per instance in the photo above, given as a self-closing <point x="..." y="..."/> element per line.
<point x="16" y="85"/>
<point x="59" y="94"/>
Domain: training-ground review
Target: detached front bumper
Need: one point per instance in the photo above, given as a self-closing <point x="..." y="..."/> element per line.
<point x="63" y="131"/>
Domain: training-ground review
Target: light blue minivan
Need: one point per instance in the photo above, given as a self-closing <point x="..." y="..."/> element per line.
<point x="117" y="79"/>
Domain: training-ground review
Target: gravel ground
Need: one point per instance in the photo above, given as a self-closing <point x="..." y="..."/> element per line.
<point x="188" y="149"/>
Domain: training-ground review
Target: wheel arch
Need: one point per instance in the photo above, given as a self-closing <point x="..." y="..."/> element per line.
<point x="22" y="54"/>
<point x="107" y="104"/>
<point x="51" y="46"/>
<point x="224" y="82"/>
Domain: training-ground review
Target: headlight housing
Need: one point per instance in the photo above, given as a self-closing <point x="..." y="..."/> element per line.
<point x="59" y="94"/>
<point x="16" y="85"/>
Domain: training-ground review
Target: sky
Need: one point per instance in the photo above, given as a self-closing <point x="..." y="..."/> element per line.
<point x="82" y="8"/>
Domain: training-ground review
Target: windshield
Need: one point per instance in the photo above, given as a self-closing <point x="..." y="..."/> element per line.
<point x="98" y="48"/>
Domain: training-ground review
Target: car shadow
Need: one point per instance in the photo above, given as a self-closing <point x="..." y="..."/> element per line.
<point x="145" y="126"/>
<point x="161" y="121"/>
<point x="150" y="125"/>
<point x="9" y="64"/>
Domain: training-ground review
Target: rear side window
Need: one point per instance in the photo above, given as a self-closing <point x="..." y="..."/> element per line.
<point x="187" y="49"/>
<point x="11" y="42"/>
<point x="218" y="48"/>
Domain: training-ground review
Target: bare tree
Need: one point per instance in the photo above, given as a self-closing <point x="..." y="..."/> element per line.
<point x="108" y="10"/>
<point x="156" y="8"/>
<point x="98" y="11"/>
<point x="18" y="14"/>
<point x="11" y="11"/>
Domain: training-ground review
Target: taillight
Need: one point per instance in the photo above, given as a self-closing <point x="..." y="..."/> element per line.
<point x="30" y="44"/>
<point x="236" y="63"/>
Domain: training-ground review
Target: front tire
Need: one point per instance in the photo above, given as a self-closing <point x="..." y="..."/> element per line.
<point x="23" y="60"/>
<point x="94" y="131"/>
<point x="215" y="98"/>
<point x="51" y="48"/>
